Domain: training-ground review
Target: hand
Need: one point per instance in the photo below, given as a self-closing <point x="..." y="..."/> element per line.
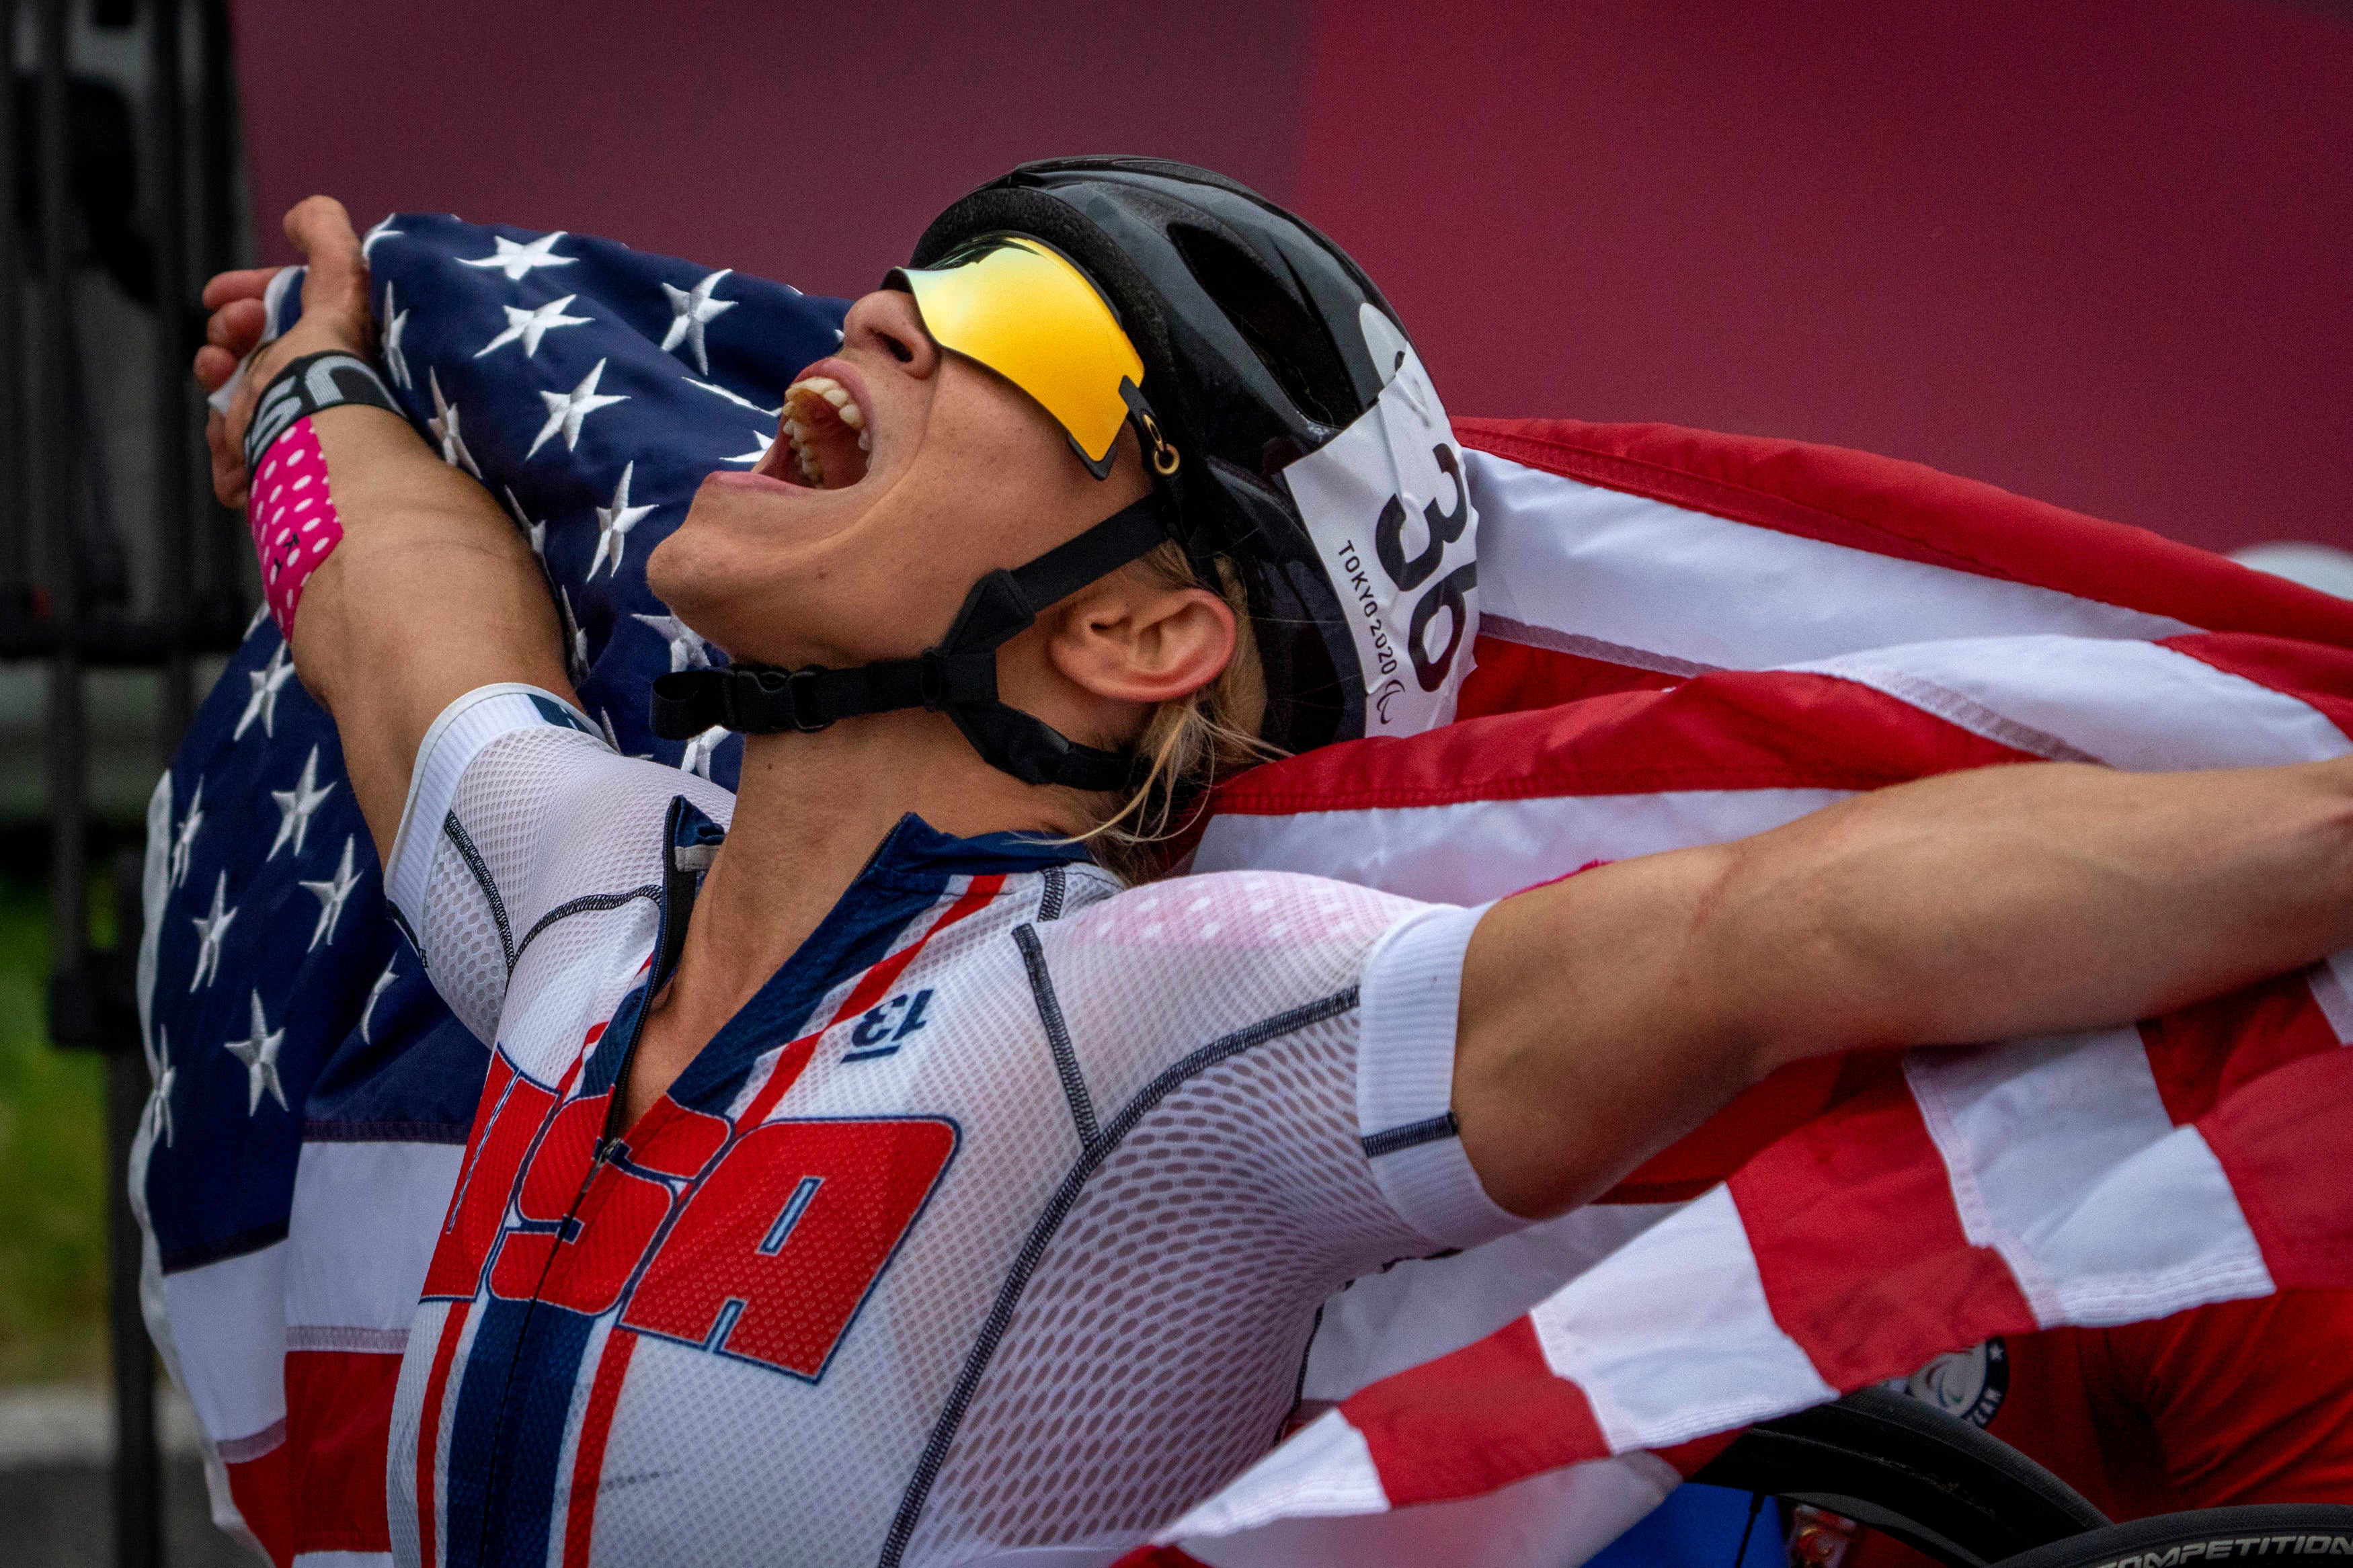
<point x="334" y="316"/>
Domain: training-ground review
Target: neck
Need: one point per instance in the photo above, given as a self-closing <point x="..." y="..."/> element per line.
<point x="809" y="811"/>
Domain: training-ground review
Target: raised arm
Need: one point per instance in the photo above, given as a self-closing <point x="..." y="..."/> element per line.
<point x="1605" y="1016"/>
<point x="433" y="592"/>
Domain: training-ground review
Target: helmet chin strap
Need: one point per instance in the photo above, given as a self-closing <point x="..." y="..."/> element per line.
<point x="958" y="678"/>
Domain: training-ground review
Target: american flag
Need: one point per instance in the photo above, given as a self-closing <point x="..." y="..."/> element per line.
<point x="1690" y="637"/>
<point x="1685" y="637"/>
<point x="313" y="1092"/>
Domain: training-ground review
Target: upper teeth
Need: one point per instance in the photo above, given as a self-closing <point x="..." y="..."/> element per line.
<point x="800" y="399"/>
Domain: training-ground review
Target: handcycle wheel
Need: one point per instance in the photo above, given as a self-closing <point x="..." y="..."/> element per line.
<point x="1909" y="1470"/>
<point x="2283" y="1531"/>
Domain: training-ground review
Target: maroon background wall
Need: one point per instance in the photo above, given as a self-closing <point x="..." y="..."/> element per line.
<point x="2098" y="251"/>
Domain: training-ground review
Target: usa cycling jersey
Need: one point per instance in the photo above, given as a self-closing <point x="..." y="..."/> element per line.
<point x="992" y="1229"/>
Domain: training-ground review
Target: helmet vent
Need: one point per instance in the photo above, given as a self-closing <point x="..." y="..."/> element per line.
<point x="1289" y="341"/>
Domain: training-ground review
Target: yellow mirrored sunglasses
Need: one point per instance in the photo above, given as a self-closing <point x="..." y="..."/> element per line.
<point x="1025" y="311"/>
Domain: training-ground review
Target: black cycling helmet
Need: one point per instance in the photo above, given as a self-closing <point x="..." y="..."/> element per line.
<point x="1290" y="430"/>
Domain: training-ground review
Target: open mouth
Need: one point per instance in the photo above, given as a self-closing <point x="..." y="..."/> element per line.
<point x="825" y="442"/>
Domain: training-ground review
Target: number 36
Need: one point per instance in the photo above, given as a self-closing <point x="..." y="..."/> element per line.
<point x="1448" y="592"/>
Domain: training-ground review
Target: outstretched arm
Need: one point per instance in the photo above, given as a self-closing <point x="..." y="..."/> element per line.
<point x="433" y="592"/>
<point x="1605" y="1016"/>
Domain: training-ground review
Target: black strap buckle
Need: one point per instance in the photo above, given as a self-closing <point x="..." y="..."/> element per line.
<point x="800" y="697"/>
<point x="748" y="699"/>
<point x="787" y="697"/>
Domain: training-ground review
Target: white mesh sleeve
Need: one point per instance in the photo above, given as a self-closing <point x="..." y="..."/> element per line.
<point x="516" y="806"/>
<point x="1409" y="998"/>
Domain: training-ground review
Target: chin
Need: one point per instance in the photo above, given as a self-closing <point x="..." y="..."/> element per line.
<point x="730" y="597"/>
<point x="692" y="580"/>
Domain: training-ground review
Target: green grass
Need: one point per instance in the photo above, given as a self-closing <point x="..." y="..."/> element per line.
<point x="52" y="1166"/>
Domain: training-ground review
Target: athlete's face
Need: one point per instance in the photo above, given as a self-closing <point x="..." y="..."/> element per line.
<point x="901" y="475"/>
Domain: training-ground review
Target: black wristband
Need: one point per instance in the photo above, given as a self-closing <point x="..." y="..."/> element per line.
<point x="307" y="385"/>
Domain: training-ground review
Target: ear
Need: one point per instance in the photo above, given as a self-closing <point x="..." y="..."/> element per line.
<point x="1133" y="637"/>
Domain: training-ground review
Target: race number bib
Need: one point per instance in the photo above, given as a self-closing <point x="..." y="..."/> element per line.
<point x="1390" y="510"/>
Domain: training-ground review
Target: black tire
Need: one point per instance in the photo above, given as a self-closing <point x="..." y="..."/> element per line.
<point x="2283" y="1532"/>
<point x="1909" y="1470"/>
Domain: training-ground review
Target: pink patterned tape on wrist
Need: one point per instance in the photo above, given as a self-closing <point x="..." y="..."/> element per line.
<point x="292" y="517"/>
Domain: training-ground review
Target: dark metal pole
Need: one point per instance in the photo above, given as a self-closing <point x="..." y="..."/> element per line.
<point x="137" y="1535"/>
<point x="217" y="138"/>
<point x="220" y="246"/>
<point x="16" y="520"/>
<point x="56" y="469"/>
<point x="137" y="1457"/>
<point x="167" y="196"/>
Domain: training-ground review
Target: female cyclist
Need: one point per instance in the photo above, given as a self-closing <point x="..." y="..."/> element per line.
<point x="865" y="1171"/>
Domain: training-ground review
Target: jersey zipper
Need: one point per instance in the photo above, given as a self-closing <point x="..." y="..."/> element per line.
<point x="676" y="906"/>
<point x="680" y="884"/>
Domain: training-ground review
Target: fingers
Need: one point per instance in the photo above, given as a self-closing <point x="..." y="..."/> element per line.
<point x="229" y="336"/>
<point x="214" y="367"/>
<point x="236" y="326"/>
<point x="247" y="284"/>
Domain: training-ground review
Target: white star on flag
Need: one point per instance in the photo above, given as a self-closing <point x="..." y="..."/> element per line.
<point x="535" y="532"/>
<point x="527" y="327"/>
<point x="514" y="261"/>
<point x="383" y="230"/>
<point x="157" y="1052"/>
<point x="253" y="623"/>
<point x="741" y="402"/>
<point x="382" y="983"/>
<point x="444" y="425"/>
<point x="756" y="454"/>
<point x="263" y="703"/>
<point x="686" y="650"/>
<point x="567" y="411"/>
<point x="578" y="641"/>
<point x="614" y="522"/>
<point x="184" y="841"/>
<point x="210" y="928"/>
<point x="158" y="1104"/>
<point x="692" y="310"/>
<point x="331" y="894"/>
<point x="696" y="758"/>
<point x="259" y="1052"/>
<point x="295" y="807"/>
<point x="394" y="323"/>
